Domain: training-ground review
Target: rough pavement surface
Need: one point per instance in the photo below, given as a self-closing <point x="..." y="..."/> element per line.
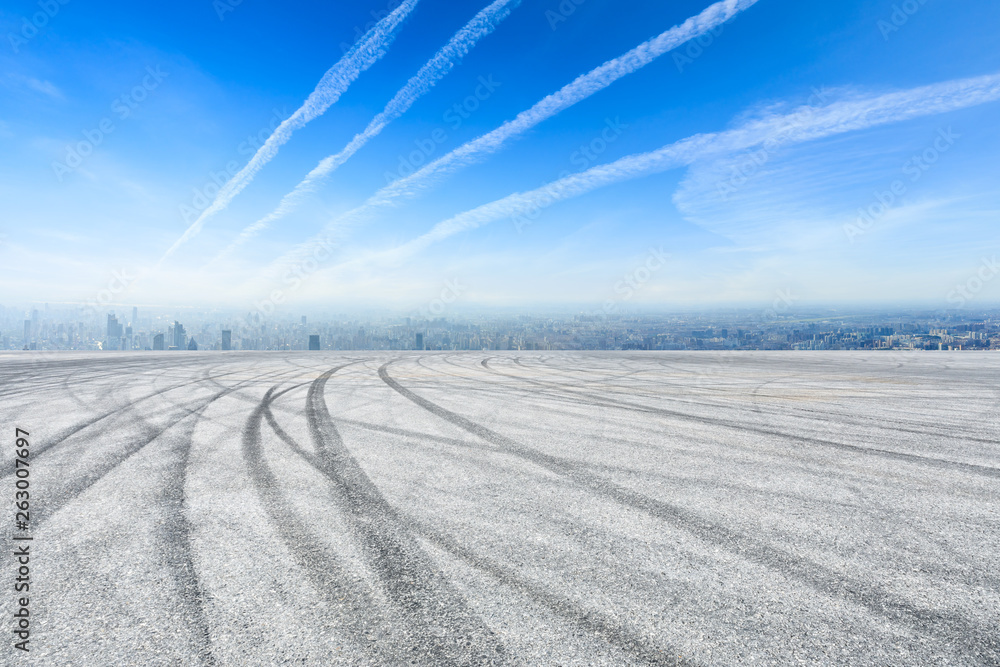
<point x="507" y="508"/>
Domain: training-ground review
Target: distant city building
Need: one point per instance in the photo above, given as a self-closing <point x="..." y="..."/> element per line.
<point x="115" y="333"/>
<point x="178" y="337"/>
<point x="135" y="315"/>
<point x="313" y="340"/>
<point x="820" y="330"/>
<point x="303" y="320"/>
<point x="193" y="345"/>
<point x="158" y="342"/>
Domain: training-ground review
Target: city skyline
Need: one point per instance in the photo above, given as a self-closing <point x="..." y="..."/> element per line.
<point x="781" y="326"/>
<point x="701" y="153"/>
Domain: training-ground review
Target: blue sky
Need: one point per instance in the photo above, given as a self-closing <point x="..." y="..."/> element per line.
<point x="190" y="91"/>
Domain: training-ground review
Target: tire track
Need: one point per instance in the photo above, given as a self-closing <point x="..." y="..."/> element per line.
<point x="42" y="375"/>
<point x="176" y="529"/>
<point x="973" y="468"/>
<point x="343" y="590"/>
<point x="848" y="417"/>
<point x="67" y="433"/>
<point x="72" y="430"/>
<point x="977" y="641"/>
<point x="813" y="415"/>
<point x="443" y="626"/>
<point x="177" y="532"/>
<point x="568" y="398"/>
<point x="69" y="490"/>
<point x="612" y="631"/>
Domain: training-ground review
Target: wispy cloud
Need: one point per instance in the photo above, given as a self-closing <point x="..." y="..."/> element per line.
<point x="365" y="53"/>
<point x="803" y="124"/>
<point x="434" y="70"/>
<point x="46" y="88"/>
<point x="579" y="89"/>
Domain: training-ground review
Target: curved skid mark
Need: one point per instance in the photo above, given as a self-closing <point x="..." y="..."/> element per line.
<point x="37" y="382"/>
<point x="442" y="626"/>
<point x="976" y="469"/>
<point x="74" y="488"/>
<point x="814" y="575"/>
<point x="61" y="437"/>
<point x="339" y="587"/>
<point x="848" y="417"/>
<point x="176" y="529"/>
<point x="611" y="630"/>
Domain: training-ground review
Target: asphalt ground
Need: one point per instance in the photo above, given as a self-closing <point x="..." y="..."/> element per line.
<point x="521" y="508"/>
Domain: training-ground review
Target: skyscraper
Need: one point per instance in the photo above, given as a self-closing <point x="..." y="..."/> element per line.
<point x="227" y="339"/>
<point x="158" y="342"/>
<point x="420" y="342"/>
<point x="178" y="336"/>
<point x="313" y="341"/>
<point x="114" y="334"/>
<point x="27" y="331"/>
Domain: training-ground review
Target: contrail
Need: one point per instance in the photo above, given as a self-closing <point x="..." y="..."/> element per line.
<point x="481" y="25"/>
<point x="579" y="89"/>
<point x="805" y="124"/>
<point x="365" y="53"/>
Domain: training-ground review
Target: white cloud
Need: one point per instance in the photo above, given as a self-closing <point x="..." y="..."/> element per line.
<point x="481" y="25"/>
<point x="365" y="53"/>
<point x="768" y="132"/>
<point x="579" y="89"/>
